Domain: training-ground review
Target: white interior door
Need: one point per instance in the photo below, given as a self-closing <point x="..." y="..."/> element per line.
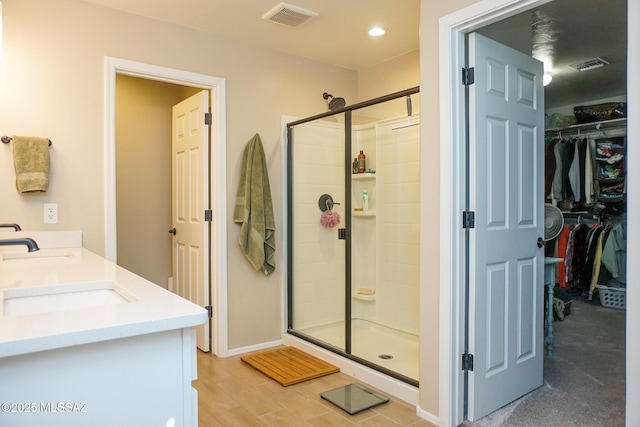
<point x="190" y="198"/>
<point x="506" y="113"/>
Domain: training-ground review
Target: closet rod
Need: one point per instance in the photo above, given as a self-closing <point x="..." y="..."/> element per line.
<point x="7" y="139"/>
<point x="593" y="217"/>
<point x="592" y="126"/>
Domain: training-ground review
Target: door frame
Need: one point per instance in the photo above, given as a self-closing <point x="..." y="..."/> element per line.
<point x="452" y="30"/>
<point x="217" y="176"/>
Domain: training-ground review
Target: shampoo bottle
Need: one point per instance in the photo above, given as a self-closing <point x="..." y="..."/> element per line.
<point x="365" y="200"/>
<point x="362" y="160"/>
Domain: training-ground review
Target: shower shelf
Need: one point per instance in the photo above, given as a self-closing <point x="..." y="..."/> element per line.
<point x="363" y="176"/>
<point x="364" y="297"/>
<point x="365" y="214"/>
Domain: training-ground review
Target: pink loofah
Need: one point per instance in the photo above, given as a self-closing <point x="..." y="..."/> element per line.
<point x="329" y="219"/>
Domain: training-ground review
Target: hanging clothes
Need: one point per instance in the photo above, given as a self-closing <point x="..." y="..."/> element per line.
<point x="593" y="255"/>
<point x="597" y="262"/>
<point x="576" y="254"/>
<point x="558" y="193"/>
<point x="588" y="174"/>
<point x="574" y="172"/>
<point x="614" y="254"/>
<point x="549" y="167"/>
<point x="587" y="272"/>
<point x="563" y="239"/>
<point x="580" y="158"/>
<point x="564" y="151"/>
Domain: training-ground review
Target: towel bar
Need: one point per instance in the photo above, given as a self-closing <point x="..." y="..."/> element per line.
<point x="7" y="139"/>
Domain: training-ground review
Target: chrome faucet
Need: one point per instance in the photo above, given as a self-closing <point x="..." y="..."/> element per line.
<point x="31" y="244"/>
<point x="16" y="227"/>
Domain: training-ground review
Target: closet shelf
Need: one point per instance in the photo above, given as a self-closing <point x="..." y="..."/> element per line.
<point x="611" y="199"/>
<point x="610" y="180"/>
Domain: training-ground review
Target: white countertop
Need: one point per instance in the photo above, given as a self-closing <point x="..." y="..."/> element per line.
<point x="150" y="309"/>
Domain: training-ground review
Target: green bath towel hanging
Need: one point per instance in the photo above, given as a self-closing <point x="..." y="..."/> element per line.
<point x="254" y="209"/>
<point x="32" y="163"/>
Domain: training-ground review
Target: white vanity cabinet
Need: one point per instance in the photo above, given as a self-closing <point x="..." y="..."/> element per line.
<point x="70" y="357"/>
<point x="142" y="380"/>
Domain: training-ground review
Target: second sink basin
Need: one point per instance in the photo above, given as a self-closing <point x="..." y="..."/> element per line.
<point x="51" y="298"/>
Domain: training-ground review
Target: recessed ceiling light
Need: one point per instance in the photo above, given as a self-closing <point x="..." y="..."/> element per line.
<point x="377" y="31"/>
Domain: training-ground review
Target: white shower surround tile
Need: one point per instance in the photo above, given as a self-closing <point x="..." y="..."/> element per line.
<point x="385" y="249"/>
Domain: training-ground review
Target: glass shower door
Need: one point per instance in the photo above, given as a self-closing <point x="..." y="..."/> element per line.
<point x="353" y="283"/>
<point x="317" y="205"/>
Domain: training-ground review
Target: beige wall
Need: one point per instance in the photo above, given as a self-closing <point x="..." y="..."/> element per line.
<point x="52" y="84"/>
<point x="143" y="175"/>
<point x="430" y="13"/>
<point x="390" y="76"/>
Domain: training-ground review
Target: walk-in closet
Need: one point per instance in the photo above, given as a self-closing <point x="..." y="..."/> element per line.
<point x="583" y="46"/>
<point x="585" y="180"/>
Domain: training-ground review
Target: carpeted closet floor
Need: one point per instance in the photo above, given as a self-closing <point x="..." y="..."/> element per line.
<point x="584" y="380"/>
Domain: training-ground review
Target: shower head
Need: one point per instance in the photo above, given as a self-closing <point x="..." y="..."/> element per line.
<point x="335" y="103"/>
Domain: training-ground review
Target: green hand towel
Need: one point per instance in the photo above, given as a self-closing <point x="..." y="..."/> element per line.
<point x="254" y="209"/>
<point x="31" y="161"/>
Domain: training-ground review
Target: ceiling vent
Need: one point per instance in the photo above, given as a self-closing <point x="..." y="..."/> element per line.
<point x="289" y="15"/>
<point x="589" y="64"/>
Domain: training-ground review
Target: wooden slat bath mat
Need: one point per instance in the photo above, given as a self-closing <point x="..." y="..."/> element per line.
<point x="289" y="365"/>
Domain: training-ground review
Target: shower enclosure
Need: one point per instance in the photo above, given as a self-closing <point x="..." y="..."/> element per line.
<point x="353" y="269"/>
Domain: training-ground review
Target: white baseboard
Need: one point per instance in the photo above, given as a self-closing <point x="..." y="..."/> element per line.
<point x="249" y="349"/>
<point x="427" y="416"/>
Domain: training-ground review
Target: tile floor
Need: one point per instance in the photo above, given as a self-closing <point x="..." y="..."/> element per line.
<point x="231" y="393"/>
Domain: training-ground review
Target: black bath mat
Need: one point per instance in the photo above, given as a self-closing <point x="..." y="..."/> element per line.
<point x="354" y="398"/>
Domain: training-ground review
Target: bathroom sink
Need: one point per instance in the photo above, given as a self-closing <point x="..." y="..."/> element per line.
<point x="51" y="298"/>
<point x="41" y="257"/>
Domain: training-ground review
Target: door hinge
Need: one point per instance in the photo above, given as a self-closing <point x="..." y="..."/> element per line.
<point x="467" y="362"/>
<point x="209" y="311"/>
<point x="468" y="77"/>
<point x="342" y="233"/>
<point x="468" y="219"/>
<point x="208" y="118"/>
<point x="208" y="215"/>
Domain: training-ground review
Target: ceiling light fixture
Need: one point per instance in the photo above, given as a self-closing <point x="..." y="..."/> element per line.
<point x="546" y="78"/>
<point x="377" y="32"/>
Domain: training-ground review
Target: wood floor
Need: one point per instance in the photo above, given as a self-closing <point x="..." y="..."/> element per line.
<point x="231" y="393"/>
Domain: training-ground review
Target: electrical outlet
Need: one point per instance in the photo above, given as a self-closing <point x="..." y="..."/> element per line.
<point x="50" y="213"/>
